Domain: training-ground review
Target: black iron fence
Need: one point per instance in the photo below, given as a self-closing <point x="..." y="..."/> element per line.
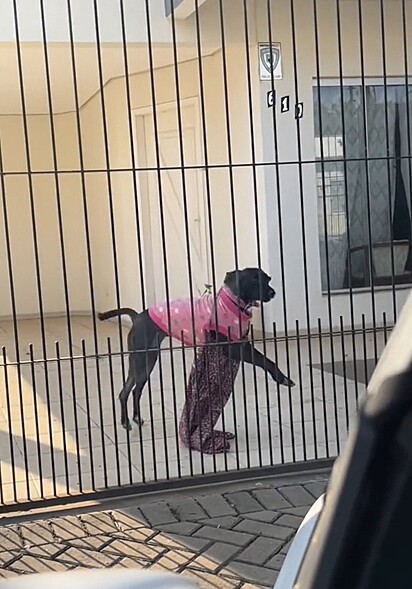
<point x="142" y="157"/>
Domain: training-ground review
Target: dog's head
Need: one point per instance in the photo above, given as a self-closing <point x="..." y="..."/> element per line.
<point x="250" y="285"/>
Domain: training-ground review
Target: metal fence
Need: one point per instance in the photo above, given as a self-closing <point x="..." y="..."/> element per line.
<point x="145" y="151"/>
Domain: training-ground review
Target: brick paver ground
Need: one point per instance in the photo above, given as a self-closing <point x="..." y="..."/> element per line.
<point x="224" y="539"/>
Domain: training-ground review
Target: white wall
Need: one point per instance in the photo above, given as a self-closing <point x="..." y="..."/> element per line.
<point x="83" y="20"/>
<point x="122" y="182"/>
<point x="43" y="190"/>
<point x="97" y="184"/>
<point x="287" y="140"/>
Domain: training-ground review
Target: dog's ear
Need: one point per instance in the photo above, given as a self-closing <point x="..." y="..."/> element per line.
<point x="229" y="276"/>
<point x="232" y="281"/>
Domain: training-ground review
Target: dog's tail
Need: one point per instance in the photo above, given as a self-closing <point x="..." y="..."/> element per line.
<point x="117" y="312"/>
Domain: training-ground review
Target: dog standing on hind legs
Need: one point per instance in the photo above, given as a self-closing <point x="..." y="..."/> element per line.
<point x="228" y="321"/>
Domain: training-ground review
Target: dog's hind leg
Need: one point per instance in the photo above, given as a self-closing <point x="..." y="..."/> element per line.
<point x="123" y="397"/>
<point x="144" y="362"/>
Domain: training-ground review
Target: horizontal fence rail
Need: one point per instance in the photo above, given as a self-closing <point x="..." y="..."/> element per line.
<point x="144" y="157"/>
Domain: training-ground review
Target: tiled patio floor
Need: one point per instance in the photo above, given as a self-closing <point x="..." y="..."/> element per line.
<point x="61" y="420"/>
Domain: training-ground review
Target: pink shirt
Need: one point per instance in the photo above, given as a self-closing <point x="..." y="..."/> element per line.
<point x="229" y="318"/>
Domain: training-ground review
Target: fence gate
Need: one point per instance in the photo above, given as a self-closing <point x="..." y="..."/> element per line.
<point x="147" y="149"/>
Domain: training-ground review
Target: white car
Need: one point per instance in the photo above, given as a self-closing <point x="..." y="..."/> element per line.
<point x="297" y="550"/>
<point x="99" y="579"/>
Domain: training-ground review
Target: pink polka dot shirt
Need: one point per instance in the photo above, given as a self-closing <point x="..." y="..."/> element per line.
<point x="188" y="319"/>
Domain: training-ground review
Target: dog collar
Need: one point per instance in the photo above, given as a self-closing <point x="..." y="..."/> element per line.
<point x="241" y="305"/>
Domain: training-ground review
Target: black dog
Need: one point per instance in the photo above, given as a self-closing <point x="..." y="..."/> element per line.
<point x="248" y="287"/>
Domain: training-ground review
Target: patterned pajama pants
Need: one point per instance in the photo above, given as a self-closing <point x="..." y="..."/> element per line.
<point x="208" y="390"/>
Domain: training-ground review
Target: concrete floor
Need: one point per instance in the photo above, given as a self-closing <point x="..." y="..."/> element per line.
<point x="59" y="422"/>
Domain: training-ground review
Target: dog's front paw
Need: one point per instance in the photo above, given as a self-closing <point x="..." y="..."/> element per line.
<point x="288" y="382"/>
<point x="127" y="425"/>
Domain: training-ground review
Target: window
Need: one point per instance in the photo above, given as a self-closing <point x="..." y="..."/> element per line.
<point x="363" y="173"/>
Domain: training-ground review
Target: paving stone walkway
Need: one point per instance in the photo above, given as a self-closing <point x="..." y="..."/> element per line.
<point x="225" y="539"/>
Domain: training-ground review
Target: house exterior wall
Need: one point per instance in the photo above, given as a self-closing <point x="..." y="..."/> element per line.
<point x="122" y="188"/>
<point x="98" y="185"/>
<point x="19" y="216"/>
<point x="245" y="178"/>
<point x="217" y="147"/>
<point x="287" y="141"/>
<point x="83" y="19"/>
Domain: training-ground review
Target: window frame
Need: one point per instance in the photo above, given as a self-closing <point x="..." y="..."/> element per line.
<point x="361" y="82"/>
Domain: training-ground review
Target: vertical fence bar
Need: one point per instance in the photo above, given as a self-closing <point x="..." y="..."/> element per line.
<point x="292" y="421"/>
<point x="114" y="422"/>
<point x="325" y="224"/>
<point x="62" y="396"/>
<point x="140" y="419"/>
<point x="132" y="152"/>
<point x="278" y="395"/>
<point x="158" y="170"/>
<point x="209" y="210"/>
<point x="367" y="183"/>
<point x="109" y="194"/>
<point x="136" y="202"/>
<point x="221" y="402"/>
<point x="62" y="416"/>
<point x="185" y="379"/>
<point x="108" y="167"/>
<point x="85" y="206"/>
<point x="10" y="422"/>
<point x="29" y="174"/>
<point x="76" y="422"/>
<point x="163" y="412"/>
<point x="219" y="351"/>
<point x="207" y="348"/>
<point x="269" y="412"/>
<point x="301" y="191"/>
<point x="345" y="381"/>
<point x="156" y="344"/>
<point x="322" y="375"/>
<point x="246" y="412"/>
<point x="365" y="350"/>
<point x="385" y="328"/>
<point x="231" y="176"/>
<point x="24" y="440"/>
<point x="335" y="405"/>
<point x="59" y="215"/>
<point x="245" y="408"/>
<point x="256" y="393"/>
<point x="279" y="220"/>
<point x="228" y="132"/>
<point x="88" y="415"/>
<point x="36" y="418"/>
<point x="185" y="200"/>
<point x="345" y="172"/>
<point x="302" y="406"/>
<point x="255" y="186"/>
<point x="388" y="155"/>
<point x="176" y="422"/>
<point x="235" y="424"/>
<point x="102" y="436"/>
<point x="13" y="308"/>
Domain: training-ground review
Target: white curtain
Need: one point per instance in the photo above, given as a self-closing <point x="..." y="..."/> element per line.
<point x="368" y="181"/>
